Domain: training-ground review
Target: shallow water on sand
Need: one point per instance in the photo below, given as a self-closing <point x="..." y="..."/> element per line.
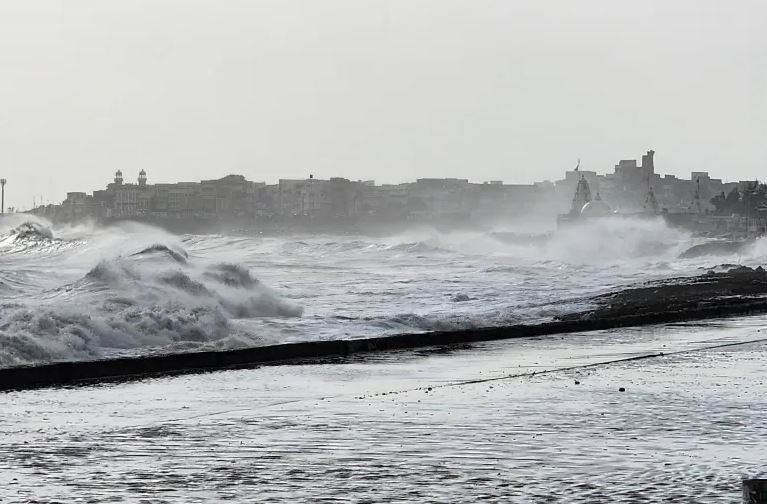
<point x="502" y="421"/>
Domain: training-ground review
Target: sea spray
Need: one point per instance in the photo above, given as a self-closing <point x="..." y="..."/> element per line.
<point x="92" y="291"/>
<point x="147" y="296"/>
<point x="617" y="240"/>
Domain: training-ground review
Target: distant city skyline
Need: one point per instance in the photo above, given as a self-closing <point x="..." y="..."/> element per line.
<point x="130" y="178"/>
<point x="633" y="187"/>
<point x="383" y="90"/>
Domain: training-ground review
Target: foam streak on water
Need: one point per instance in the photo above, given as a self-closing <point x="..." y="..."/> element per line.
<point x="83" y="292"/>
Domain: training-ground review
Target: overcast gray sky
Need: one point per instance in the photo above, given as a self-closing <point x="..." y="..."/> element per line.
<point x="514" y="90"/>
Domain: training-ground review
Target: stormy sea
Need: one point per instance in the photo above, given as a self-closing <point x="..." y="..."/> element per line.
<point x="648" y="414"/>
<point x="84" y="292"/>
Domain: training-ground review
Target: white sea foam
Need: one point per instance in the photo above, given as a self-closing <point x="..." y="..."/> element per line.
<point x="85" y="291"/>
<point x="143" y="292"/>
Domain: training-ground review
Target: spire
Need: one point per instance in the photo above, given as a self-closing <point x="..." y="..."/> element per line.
<point x="582" y="196"/>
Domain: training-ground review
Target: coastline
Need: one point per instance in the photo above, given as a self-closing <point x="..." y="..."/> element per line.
<point x="739" y="292"/>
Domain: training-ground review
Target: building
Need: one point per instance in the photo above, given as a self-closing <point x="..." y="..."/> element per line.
<point x="234" y="198"/>
<point x="431" y="198"/>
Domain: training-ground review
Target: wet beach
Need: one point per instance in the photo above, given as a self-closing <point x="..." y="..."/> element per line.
<point x="527" y="420"/>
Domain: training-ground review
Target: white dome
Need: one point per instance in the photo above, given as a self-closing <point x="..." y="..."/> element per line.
<point x="596" y="208"/>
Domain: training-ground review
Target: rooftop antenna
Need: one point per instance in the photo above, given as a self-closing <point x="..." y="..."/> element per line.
<point x="2" y="198"/>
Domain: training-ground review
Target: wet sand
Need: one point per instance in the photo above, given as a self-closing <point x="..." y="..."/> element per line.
<point x="500" y="422"/>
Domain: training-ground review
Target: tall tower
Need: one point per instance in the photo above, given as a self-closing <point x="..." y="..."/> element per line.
<point x="119" y="177"/>
<point x="142" y="179"/>
<point x="2" y="197"/>
<point x="582" y="196"/>
<point x="648" y="162"/>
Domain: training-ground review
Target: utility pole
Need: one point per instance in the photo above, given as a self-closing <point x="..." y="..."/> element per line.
<point x="2" y="198"/>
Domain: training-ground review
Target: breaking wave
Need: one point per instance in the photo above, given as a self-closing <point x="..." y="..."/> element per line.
<point x="617" y="240"/>
<point x="154" y="299"/>
<point x="87" y="291"/>
<point x="180" y="256"/>
<point x="31" y="237"/>
<point x="32" y="230"/>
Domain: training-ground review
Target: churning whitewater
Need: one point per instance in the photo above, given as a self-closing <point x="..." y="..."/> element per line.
<point x="86" y="292"/>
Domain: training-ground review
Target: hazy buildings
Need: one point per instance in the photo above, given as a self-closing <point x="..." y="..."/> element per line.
<point x="340" y="200"/>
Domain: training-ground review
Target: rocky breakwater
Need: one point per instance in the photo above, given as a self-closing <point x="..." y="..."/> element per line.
<point x="738" y="291"/>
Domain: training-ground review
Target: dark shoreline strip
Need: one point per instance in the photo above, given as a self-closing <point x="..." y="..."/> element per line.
<point x="85" y="372"/>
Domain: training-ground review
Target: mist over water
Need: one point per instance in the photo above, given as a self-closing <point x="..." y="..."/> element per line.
<point x="84" y="292"/>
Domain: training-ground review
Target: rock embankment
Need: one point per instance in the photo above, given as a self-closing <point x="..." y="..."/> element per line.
<point x="739" y="290"/>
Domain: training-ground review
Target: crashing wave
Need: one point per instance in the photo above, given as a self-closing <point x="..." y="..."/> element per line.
<point x="183" y="282"/>
<point x="179" y="256"/>
<point x="232" y="275"/>
<point x="110" y="272"/>
<point x="32" y="230"/>
<point x="616" y="241"/>
<point x="127" y="303"/>
<point x="32" y="237"/>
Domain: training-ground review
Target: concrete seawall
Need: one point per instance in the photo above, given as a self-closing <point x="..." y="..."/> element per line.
<point x="84" y="372"/>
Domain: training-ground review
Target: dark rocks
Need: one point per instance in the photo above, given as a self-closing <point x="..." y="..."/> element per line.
<point x="754" y="491"/>
<point x="622" y="389"/>
<point x="739" y="290"/>
<point x="741" y="270"/>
